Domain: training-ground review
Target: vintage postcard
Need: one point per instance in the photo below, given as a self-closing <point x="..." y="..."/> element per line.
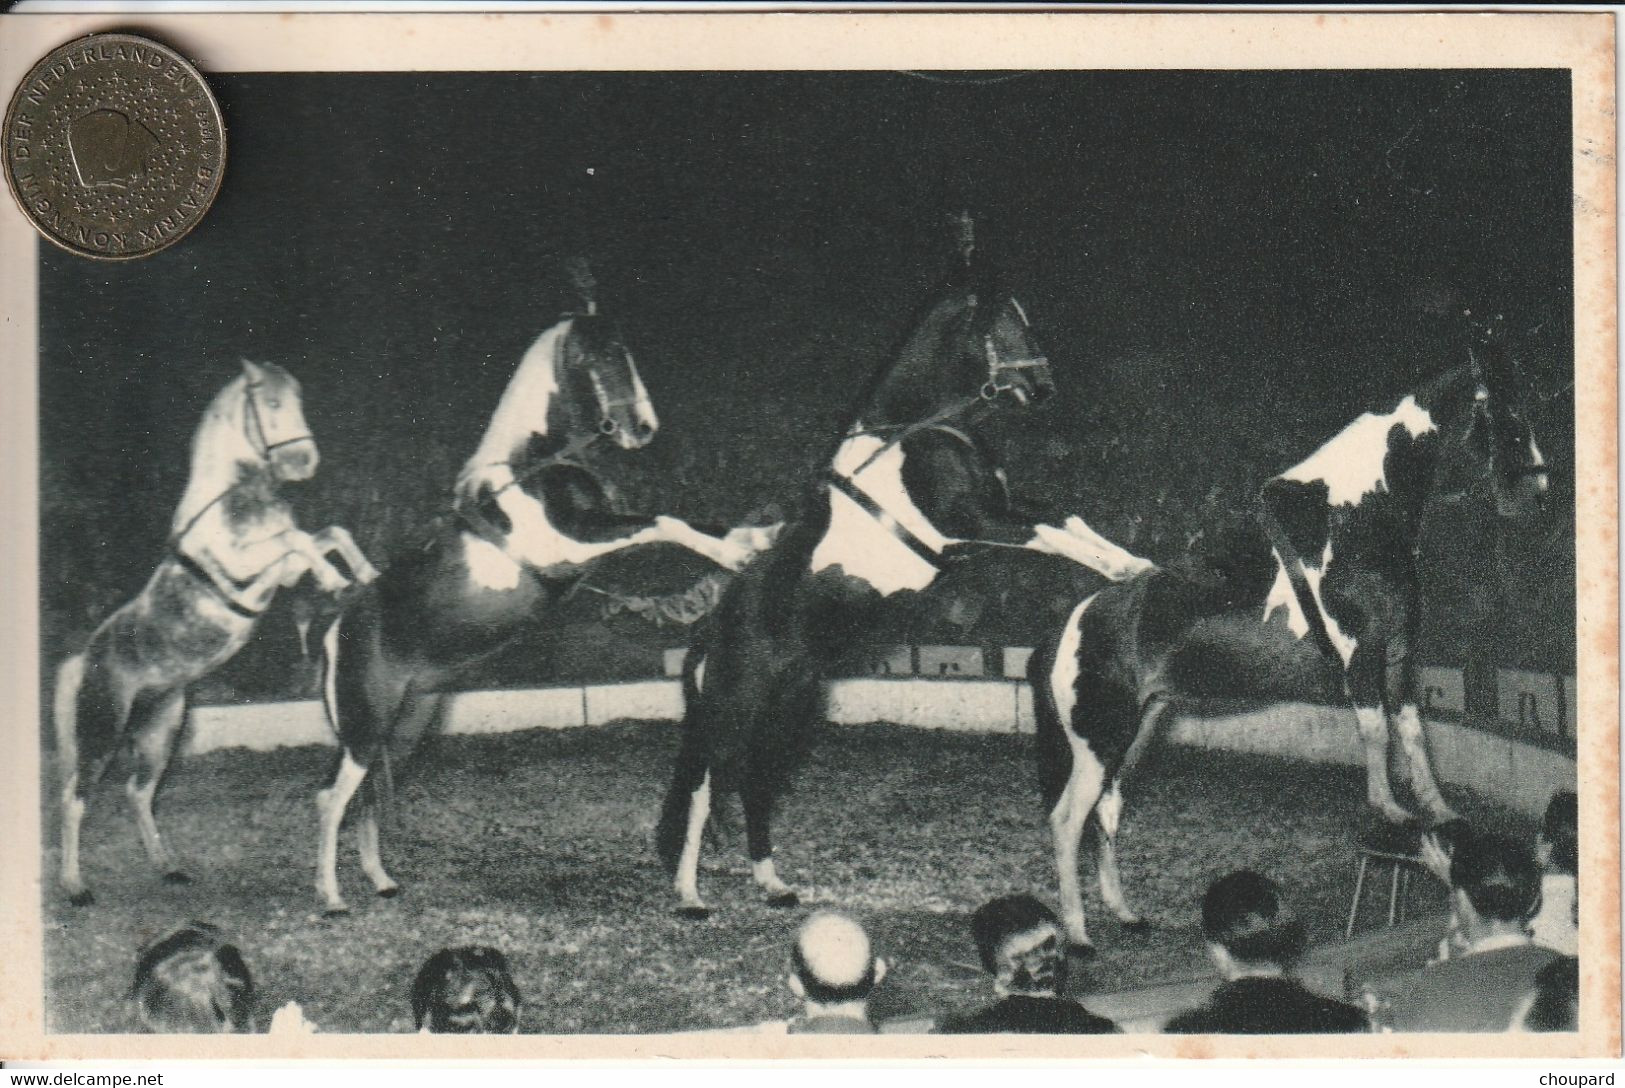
<point x="1027" y="535"/>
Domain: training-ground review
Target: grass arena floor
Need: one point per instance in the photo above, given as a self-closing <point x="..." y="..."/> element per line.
<point x="539" y="843"/>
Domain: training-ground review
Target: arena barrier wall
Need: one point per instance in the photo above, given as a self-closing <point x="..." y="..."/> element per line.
<point x="1519" y="774"/>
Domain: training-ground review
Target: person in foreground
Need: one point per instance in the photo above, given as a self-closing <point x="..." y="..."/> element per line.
<point x="192" y="981"/>
<point x="1254" y="938"/>
<point x="1557" y="849"/>
<point x="832" y="973"/>
<point x="1019" y="941"/>
<point x="1554" y="1003"/>
<point x="465" y="991"/>
<point x="1495" y="888"/>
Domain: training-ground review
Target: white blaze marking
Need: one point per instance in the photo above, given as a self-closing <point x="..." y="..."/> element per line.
<point x="1019" y="311"/>
<point x="858" y="543"/>
<point x="645" y="406"/>
<point x="699" y="674"/>
<point x="1350" y="464"/>
<point x="487" y="565"/>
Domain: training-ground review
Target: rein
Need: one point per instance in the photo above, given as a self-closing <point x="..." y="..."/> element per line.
<point x="228" y="593"/>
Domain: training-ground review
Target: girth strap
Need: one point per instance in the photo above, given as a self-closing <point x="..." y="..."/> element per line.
<point x="227" y="597"/>
<point x="884" y="518"/>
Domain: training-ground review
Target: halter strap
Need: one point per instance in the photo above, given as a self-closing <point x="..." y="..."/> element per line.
<point x="265" y="446"/>
<point x="227" y="596"/>
<point x="884" y="518"/>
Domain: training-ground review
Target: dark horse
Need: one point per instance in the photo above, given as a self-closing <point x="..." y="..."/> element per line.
<point x="233" y="544"/>
<point x="1338" y="620"/>
<point x="532" y="518"/>
<point x="911" y="484"/>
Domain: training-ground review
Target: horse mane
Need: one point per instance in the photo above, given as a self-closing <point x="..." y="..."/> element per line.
<point x="918" y="345"/>
<point x="212" y="472"/>
<point x="516" y="416"/>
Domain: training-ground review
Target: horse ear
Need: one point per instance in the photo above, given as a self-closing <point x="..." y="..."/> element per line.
<point x="964" y="233"/>
<point x="583" y="282"/>
<point x="253" y="371"/>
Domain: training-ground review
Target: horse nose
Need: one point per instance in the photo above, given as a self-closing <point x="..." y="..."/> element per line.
<point x="644" y="430"/>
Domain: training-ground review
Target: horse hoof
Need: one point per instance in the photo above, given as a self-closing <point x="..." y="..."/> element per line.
<point x="82" y="899"/>
<point x="175" y="876"/>
<point x="784" y="899"/>
<point x="340" y="911"/>
<point x="389" y="893"/>
<point x="694" y="914"/>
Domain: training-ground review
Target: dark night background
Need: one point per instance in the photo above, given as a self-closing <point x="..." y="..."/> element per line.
<point x="1224" y="267"/>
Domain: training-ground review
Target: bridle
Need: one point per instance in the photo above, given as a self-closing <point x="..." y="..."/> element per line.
<point x="229" y="592"/>
<point x="997" y="383"/>
<point x="1481" y="407"/>
<point x="265" y="447"/>
<point x="997" y="367"/>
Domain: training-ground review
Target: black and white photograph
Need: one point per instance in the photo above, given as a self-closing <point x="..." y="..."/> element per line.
<point x="731" y="550"/>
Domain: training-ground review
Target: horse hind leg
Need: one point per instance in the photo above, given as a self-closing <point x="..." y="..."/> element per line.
<point x="154" y="727"/>
<point x="417" y="713"/>
<point x="791" y="713"/>
<point x="1364" y="683"/>
<point x="330" y="805"/>
<point x="1109" y="814"/>
<point x="366" y="834"/>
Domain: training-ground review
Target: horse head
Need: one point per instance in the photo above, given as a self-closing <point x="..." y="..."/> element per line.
<point x="274" y="424"/>
<point x="603" y="387"/>
<point x="1499" y="434"/>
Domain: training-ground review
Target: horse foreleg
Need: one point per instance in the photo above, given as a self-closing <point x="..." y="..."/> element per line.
<point x="1066" y="821"/>
<point x="152" y="744"/>
<point x="336" y="538"/>
<point x="1399" y="690"/>
<point x="1082" y="545"/>
<point x="1408" y="724"/>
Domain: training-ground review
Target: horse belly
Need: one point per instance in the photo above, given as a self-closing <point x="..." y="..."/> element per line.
<point x="177" y="631"/>
<point x="1234" y="659"/>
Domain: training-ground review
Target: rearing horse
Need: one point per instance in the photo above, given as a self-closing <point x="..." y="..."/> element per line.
<point x="532" y="517"/>
<point x="233" y="543"/>
<point x="1339" y="619"/>
<point x="911" y="486"/>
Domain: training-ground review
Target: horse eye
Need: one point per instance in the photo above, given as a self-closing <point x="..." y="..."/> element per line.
<point x="274" y="402"/>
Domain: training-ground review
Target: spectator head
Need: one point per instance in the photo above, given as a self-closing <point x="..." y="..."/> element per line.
<point x="1248" y="925"/>
<point x="832" y="964"/>
<point x="466" y="991"/>
<point x="1558" y="848"/>
<point x="1440" y="843"/>
<point x="1555" y="1003"/>
<point x="1019" y="941"/>
<point x="1496" y="885"/>
<point x="192" y="981"/>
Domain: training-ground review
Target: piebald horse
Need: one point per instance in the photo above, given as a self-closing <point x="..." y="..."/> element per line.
<point x="912" y="486"/>
<point x="532" y="516"/>
<point x="1336" y="623"/>
<point x="233" y="544"/>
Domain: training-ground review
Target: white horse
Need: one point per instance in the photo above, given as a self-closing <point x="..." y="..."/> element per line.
<point x="233" y="544"/>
